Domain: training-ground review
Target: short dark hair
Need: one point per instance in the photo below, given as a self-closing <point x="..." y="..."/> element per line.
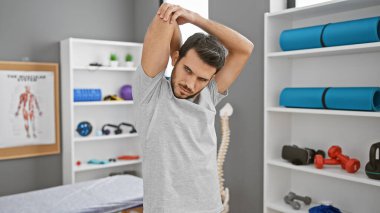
<point x="208" y="48"/>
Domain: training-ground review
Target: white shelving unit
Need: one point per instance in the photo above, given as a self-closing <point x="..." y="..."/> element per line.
<point x="354" y="131"/>
<point x="76" y="55"/>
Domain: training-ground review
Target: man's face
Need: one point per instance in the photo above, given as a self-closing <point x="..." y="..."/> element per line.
<point x="190" y="75"/>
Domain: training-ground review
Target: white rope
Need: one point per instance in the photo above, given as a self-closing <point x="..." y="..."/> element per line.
<point x="225" y="113"/>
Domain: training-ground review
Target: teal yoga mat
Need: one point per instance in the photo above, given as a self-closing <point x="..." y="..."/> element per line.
<point x="302" y="97"/>
<point x="353" y="98"/>
<point x="352" y="32"/>
<point x="301" y="38"/>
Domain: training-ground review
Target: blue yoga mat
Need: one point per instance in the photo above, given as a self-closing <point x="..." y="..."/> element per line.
<point x="353" y="98"/>
<point x="302" y="97"/>
<point x="301" y="38"/>
<point x="352" y="32"/>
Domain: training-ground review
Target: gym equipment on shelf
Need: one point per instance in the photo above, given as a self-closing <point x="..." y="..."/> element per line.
<point x="107" y="131"/>
<point x="351" y="165"/>
<point x="84" y="128"/>
<point x="112" y="98"/>
<point x="224" y="113"/>
<point x="353" y="98"/>
<point x="299" y="156"/>
<point x="295" y="205"/>
<point x="320" y="161"/>
<point x="340" y="98"/>
<point x="357" y="31"/>
<point x="126" y="92"/>
<point x="324" y="209"/>
<point x="133" y="129"/>
<point x="95" y="161"/>
<point x="87" y="95"/>
<point x="128" y="157"/>
<point x="303" y="97"/>
<point x="352" y="32"/>
<point x="302" y="38"/>
<point x="372" y="168"/>
<point x="291" y="197"/>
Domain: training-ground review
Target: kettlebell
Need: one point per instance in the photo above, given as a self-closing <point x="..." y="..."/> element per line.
<point x="372" y="168"/>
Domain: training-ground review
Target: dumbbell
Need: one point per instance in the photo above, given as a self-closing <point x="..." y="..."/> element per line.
<point x="289" y="199"/>
<point x="296" y="205"/>
<point x="319" y="161"/>
<point x="294" y="196"/>
<point x="351" y="165"/>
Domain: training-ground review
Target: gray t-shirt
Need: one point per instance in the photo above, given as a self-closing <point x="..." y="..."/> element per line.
<point x="179" y="146"/>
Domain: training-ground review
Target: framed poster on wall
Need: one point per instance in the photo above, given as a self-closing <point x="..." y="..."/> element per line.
<point x="29" y="109"/>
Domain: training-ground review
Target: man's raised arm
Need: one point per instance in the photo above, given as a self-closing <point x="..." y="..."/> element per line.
<point x="157" y="45"/>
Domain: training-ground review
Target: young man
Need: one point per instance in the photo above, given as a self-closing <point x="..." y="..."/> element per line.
<point x="175" y="117"/>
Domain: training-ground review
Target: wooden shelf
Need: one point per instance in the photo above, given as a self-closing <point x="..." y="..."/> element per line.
<point x="103" y="103"/>
<point x="330" y="171"/>
<point x="328" y="51"/>
<point x="89" y="167"/>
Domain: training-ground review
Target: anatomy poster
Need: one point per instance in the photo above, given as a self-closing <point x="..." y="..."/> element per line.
<point x="27" y="108"/>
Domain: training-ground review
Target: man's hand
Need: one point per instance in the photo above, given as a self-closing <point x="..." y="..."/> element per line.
<point x="171" y="12"/>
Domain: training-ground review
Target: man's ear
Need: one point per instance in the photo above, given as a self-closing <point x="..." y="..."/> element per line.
<point x="175" y="56"/>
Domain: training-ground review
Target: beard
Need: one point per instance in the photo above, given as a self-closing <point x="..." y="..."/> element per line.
<point x="178" y="85"/>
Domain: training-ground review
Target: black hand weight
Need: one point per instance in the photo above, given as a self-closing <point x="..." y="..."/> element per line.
<point x="372" y="169"/>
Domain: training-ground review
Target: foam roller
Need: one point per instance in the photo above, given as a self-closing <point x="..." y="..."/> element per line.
<point x="87" y="95"/>
<point x="302" y="97"/>
<point x="302" y="38"/>
<point x="352" y="32"/>
<point x="353" y="98"/>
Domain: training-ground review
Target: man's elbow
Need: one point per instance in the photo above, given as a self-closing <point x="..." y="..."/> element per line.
<point x="249" y="48"/>
<point x="245" y="50"/>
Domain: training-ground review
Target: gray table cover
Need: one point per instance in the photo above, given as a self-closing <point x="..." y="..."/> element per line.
<point x="110" y="194"/>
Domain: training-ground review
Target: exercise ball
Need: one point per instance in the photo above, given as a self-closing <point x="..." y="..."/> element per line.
<point x="126" y="92"/>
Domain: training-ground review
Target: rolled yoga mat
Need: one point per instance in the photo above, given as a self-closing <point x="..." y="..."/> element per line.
<point x="302" y="38"/>
<point x="352" y="32"/>
<point x="353" y="98"/>
<point x="302" y="97"/>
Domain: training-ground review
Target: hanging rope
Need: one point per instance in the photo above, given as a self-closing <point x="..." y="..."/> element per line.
<point x="225" y="113"/>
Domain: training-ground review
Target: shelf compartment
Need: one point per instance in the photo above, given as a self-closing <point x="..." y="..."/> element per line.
<point x="323" y="112"/>
<point x="103" y="103"/>
<point x="106" y="137"/>
<point x="89" y="167"/>
<point x="334" y="172"/>
<point x="328" y="51"/>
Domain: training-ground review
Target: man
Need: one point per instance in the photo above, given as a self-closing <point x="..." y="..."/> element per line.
<point x="176" y="116"/>
<point x="28" y="101"/>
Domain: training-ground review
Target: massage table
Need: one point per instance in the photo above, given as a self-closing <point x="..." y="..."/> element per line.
<point x="120" y="193"/>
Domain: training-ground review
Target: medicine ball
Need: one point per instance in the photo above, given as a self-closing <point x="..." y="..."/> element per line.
<point x="84" y="128"/>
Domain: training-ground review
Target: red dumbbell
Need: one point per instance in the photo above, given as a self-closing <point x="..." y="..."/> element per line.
<point x="319" y="161"/>
<point x="351" y="165"/>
